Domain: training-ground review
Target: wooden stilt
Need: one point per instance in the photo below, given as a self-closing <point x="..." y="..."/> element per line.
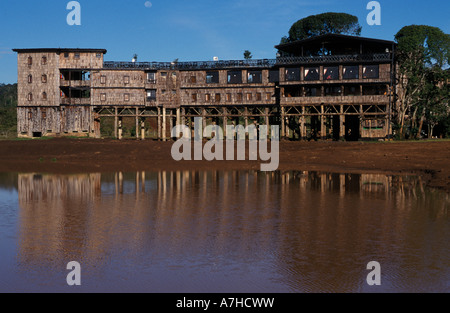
<point x="164" y="122"/>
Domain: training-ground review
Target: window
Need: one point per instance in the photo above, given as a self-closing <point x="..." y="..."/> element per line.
<point x="98" y="55"/>
<point x="374" y="90"/>
<point x="239" y="97"/>
<point x="350" y="72"/>
<point x="103" y="79"/>
<point x="151" y="94"/>
<point x="292" y="91"/>
<point x="77" y="55"/>
<point x="174" y="92"/>
<point x="217" y="97"/>
<point x="212" y="77"/>
<point x="66" y="55"/>
<point x="207" y="97"/>
<point x="228" y="97"/>
<point x="311" y="92"/>
<point x="352" y="90"/>
<point x="292" y="74"/>
<point x="333" y="91"/>
<point x="331" y="73"/>
<point x="44" y="60"/>
<point x="274" y="76"/>
<point x="44" y="114"/>
<point x="30" y="97"/>
<point x="30" y="61"/>
<point x="126" y="97"/>
<point x="234" y="77"/>
<point x="30" y="114"/>
<point x="44" y="79"/>
<point x="44" y="96"/>
<point x="30" y="79"/>
<point x="194" y="97"/>
<point x="126" y="79"/>
<point x="311" y="73"/>
<point x="103" y="97"/>
<point x="254" y="77"/>
<point x="258" y="96"/>
<point x="268" y="96"/>
<point x="370" y="71"/>
<point x="151" y="78"/>
<point x="193" y="79"/>
<point x="249" y="97"/>
<point x="164" y="75"/>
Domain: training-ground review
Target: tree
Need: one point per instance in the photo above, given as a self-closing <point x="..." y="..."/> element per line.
<point x="423" y="53"/>
<point x="247" y="55"/>
<point x="8" y="109"/>
<point x="325" y="23"/>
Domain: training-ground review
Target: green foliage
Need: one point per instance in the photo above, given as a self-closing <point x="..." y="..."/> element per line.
<point x="247" y="55"/>
<point x="8" y="110"/>
<point x="325" y="23"/>
<point x="423" y="54"/>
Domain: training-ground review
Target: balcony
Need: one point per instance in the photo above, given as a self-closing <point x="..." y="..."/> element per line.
<point x="375" y="99"/>
<point x="75" y="83"/>
<point x="75" y="101"/>
<point x="356" y="58"/>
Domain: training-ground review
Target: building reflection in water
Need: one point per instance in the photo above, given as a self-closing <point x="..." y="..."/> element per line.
<point x="295" y="231"/>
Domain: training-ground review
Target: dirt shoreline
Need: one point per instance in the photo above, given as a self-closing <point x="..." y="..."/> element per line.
<point x="429" y="159"/>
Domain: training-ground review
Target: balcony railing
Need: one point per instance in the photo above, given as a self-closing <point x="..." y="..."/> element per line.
<point x="75" y="83"/>
<point x="76" y="101"/>
<point x="379" y="57"/>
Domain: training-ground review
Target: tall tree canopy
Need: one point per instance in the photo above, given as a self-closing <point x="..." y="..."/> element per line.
<point x="423" y="54"/>
<point x="314" y="25"/>
<point x="8" y="109"/>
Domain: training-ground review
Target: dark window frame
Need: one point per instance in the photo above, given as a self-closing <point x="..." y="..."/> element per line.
<point x="331" y="73"/>
<point x="349" y="71"/>
<point x="234" y="77"/>
<point x="311" y="73"/>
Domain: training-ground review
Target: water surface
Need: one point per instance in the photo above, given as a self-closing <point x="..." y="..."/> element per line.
<point x="214" y="231"/>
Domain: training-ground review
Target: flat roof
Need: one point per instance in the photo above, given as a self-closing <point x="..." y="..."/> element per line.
<point x="59" y="50"/>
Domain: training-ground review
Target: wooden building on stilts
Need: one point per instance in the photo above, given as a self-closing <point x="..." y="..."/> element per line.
<point x="329" y="87"/>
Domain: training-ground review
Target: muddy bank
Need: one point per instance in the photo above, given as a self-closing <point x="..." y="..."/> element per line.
<point x="429" y="159"/>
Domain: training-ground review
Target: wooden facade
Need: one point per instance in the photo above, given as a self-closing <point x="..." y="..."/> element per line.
<point x="327" y="87"/>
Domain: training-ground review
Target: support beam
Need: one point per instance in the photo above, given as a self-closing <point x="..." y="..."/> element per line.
<point x="164" y="122"/>
<point x="143" y="128"/>
<point x="323" y="131"/>
<point x="116" y="122"/>
<point x="119" y="135"/>
<point x="137" y="123"/>
<point x="159" y="124"/>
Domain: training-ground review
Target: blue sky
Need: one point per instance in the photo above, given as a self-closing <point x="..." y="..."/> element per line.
<point x="187" y="30"/>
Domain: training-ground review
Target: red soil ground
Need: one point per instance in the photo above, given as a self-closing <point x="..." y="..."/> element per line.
<point x="429" y="159"/>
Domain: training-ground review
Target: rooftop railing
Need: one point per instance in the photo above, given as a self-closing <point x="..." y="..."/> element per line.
<point x="196" y="65"/>
<point x="374" y="57"/>
<point x="257" y="63"/>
